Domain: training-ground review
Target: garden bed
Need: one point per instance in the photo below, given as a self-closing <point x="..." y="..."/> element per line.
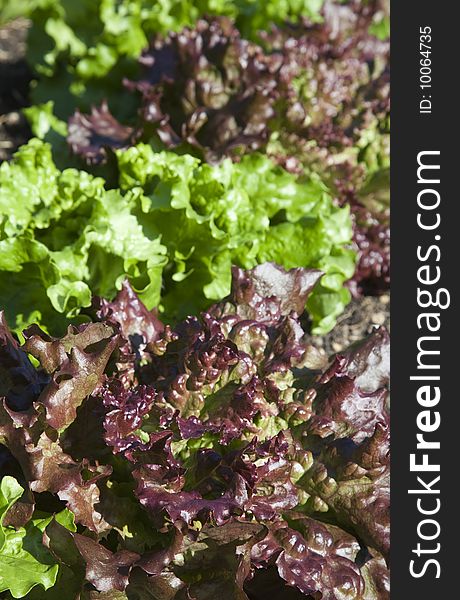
<point x="194" y="300"/>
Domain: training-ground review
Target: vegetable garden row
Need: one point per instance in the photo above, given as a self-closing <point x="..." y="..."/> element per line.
<point x="206" y="185"/>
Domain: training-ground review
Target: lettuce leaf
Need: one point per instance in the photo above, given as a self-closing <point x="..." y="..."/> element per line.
<point x="245" y="213"/>
<point x="24" y="560"/>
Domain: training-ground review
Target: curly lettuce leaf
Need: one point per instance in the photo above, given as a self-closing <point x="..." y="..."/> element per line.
<point x="25" y="562"/>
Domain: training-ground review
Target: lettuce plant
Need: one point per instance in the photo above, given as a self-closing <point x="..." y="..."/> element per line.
<point x="222" y="457"/>
<point x="174" y="227"/>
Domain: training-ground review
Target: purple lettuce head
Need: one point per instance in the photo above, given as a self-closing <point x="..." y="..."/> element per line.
<point x="231" y="461"/>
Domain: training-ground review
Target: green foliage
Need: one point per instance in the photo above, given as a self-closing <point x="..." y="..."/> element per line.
<point x="24" y="560"/>
<point x="11" y="9"/>
<point x="174" y="229"/>
<point x="244" y="214"/>
<point x="61" y="231"/>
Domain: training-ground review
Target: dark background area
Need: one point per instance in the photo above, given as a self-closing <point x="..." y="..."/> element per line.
<point x="15" y="77"/>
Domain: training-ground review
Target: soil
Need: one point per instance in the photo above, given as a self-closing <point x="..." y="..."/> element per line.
<point x="360" y="317"/>
<point x="15" y="77"/>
